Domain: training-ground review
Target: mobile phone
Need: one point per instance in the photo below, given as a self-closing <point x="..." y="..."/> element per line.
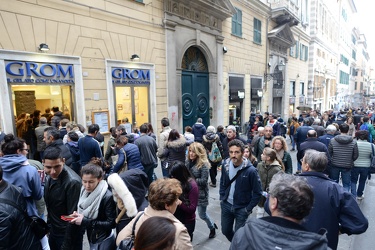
<point x="67" y="217"/>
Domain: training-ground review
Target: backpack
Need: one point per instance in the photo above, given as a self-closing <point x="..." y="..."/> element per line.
<point x="214" y="155"/>
<point x="365" y="127"/>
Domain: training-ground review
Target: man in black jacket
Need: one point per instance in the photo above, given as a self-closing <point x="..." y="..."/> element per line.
<point x="15" y="232"/>
<point x="52" y="139"/>
<point x="311" y="143"/>
<point x="61" y="194"/>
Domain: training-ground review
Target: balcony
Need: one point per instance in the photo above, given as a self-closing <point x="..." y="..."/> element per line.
<point x="284" y="11"/>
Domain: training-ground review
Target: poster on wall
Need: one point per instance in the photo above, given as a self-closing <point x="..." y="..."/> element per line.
<point x="102" y="119"/>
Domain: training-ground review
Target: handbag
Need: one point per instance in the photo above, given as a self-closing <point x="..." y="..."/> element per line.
<point x="128" y="243"/>
<point x="37" y="225"/>
<point x="124" y="166"/>
<point x="107" y="244"/>
<point x="372" y="166"/>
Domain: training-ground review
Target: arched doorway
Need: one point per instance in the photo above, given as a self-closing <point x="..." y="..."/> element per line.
<point x="195" y="87"/>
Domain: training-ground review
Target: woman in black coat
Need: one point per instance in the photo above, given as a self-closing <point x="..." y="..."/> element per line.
<point x="96" y="211"/>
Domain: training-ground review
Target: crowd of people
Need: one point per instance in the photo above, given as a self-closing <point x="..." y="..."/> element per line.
<point x="107" y="195"/>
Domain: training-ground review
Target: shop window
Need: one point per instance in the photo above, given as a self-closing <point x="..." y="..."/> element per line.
<point x="132" y="102"/>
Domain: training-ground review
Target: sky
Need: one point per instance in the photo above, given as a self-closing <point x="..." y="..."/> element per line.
<point x="365" y="23"/>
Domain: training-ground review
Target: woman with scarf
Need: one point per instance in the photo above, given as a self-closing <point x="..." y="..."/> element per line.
<point x="267" y="168"/>
<point x="199" y="166"/>
<point x="279" y="145"/>
<point x="96" y="211"/>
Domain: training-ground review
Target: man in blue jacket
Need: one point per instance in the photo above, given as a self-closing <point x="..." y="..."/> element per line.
<point x="240" y="189"/>
<point x="334" y="209"/>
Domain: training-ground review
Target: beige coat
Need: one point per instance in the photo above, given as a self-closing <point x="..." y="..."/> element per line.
<point x="182" y="241"/>
<point x="163" y="138"/>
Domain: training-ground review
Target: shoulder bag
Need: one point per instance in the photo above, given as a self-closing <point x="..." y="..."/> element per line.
<point x="124" y="166"/>
<point x="128" y="243"/>
<point x="37" y="225"/>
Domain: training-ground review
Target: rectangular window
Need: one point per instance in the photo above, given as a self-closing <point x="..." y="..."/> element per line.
<point x="297" y="49"/>
<point x="292" y="51"/>
<point x="292" y="88"/>
<point x="344" y="77"/>
<point x="344" y="60"/>
<point x="361" y="86"/>
<point x="257" y="31"/>
<point x="302" y="88"/>
<point x="355" y="86"/>
<point x="354" y="54"/>
<point x="353" y="39"/>
<point x="237" y="23"/>
<point x="303" y="52"/>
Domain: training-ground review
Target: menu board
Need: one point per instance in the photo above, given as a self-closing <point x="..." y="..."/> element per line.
<point x="102" y="119"/>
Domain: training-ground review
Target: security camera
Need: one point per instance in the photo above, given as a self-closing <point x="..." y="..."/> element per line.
<point x="269" y="65"/>
<point x="225" y="50"/>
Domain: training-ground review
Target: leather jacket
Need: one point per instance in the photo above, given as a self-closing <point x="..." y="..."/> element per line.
<point x="100" y="228"/>
<point x="61" y="197"/>
<point x="15" y="232"/>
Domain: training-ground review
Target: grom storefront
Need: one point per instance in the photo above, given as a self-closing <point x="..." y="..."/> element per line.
<point x="35" y="81"/>
<point x="131" y="92"/>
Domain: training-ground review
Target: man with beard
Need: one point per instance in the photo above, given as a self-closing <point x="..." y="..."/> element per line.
<point x="240" y="189"/>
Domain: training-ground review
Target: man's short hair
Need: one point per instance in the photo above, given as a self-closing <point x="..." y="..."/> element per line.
<point x="63" y="122"/>
<point x="344" y="128"/>
<point x="73" y="136"/>
<point x="237" y="143"/>
<point x="316" y="160"/>
<point x="231" y="127"/>
<point x="260" y="129"/>
<point x="165" y="122"/>
<point x="311" y="133"/>
<point x="317" y="121"/>
<point x="306" y="121"/>
<point x="365" y="119"/>
<point x="294" y="196"/>
<point x="199" y="120"/>
<point x="93" y="128"/>
<point x="52" y="131"/>
<point x="143" y="128"/>
<point x="331" y="128"/>
<point x="42" y="120"/>
<point x="122" y="128"/>
<point x="52" y="153"/>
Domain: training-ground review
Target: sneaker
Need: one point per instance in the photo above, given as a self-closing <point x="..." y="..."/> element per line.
<point x="292" y="149"/>
<point x="360" y="198"/>
<point x="298" y="172"/>
<point x="212" y="185"/>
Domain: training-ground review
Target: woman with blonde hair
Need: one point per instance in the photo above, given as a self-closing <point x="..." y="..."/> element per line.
<point x="279" y="145"/>
<point x="199" y="165"/>
<point x="267" y="168"/>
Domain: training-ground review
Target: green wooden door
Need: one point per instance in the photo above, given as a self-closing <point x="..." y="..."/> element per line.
<point x="195" y="98"/>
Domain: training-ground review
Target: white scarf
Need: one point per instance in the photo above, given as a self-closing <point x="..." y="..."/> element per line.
<point x="88" y="203"/>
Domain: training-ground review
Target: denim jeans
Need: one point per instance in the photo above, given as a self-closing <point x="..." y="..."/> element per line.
<point x="202" y="212"/>
<point x="164" y="170"/>
<point x="362" y="172"/>
<point x="228" y="215"/>
<point x="345" y="176"/>
<point x="292" y="141"/>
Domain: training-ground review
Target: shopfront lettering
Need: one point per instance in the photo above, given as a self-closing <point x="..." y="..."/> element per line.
<point x="130" y="76"/>
<point x="33" y="69"/>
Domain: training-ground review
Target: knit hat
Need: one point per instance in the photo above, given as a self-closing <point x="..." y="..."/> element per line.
<point x="211" y="129"/>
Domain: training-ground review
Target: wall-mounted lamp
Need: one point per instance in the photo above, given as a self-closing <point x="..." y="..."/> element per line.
<point x="225" y="50"/>
<point x="280" y="67"/>
<point x="43" y="47"/>
<point x="134" y="57"/>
